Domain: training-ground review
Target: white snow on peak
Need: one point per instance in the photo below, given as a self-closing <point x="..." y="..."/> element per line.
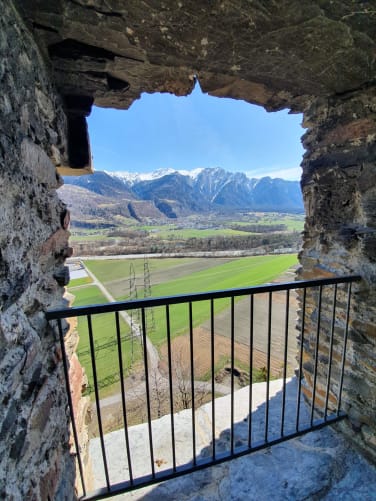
<point x="191" y="173"/>
<point x="129" y="177"/>
<point x="134" y="177"/>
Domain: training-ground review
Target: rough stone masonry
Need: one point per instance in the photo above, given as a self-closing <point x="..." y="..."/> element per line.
<point x="35" y="461"/>
<point x="311" y="56"/>
<point x="338" y="182"/>
<point x="315" y="57"/>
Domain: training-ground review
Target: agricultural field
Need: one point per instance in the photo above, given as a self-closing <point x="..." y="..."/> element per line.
<point x="237" y="273"/>
<point x="115" y="273"/>
<point x="192" y="227"/>
<point x="77" y="282"/>
<point x="293" y="222"/>
<point x="104" y="333"/>
<point x="184" y="233"/>
<point x="167" y="277"/>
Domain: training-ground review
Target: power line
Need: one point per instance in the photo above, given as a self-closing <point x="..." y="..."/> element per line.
<point x="150" y="320"/>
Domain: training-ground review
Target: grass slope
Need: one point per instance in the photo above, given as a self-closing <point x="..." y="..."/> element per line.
<point x="112" y="269"/>
<point x="242" y="272"/>
<point x="104" y="335"/>
<point x="76" y="282"/>
<point x="193" y="233"/>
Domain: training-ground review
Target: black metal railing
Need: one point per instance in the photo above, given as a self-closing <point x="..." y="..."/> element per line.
<point x="289" y="407"/>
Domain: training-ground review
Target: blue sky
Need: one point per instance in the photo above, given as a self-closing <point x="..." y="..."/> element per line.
<point x="183" y="133"/>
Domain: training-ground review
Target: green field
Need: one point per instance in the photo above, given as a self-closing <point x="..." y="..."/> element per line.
<point x="240" y="272"/>
<point x="188" y="228"/>
<point x="293" y="222"/>
<point x="90" y="238"/>
<point x="219" y="274"/>
<point x="243" y="272"/>
<point x="175" y="234"/>
<point x="76" y="282"/>
<point x="104" y="335"/>
<point x="107" y="270"/>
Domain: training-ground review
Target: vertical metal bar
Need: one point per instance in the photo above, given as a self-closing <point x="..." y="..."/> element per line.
<point x="285" y="361"/>
<point x="251" y="323"/>
<point x="330" y="351"/>
<point x="192" y="384"/>
<point x="268" y="366"/>
<point x="301" y="362"/>
<point x="316" y="354"/>
<point x="98" y="407"/>
<point x="120" y="355"/>
<point x="143" y="324"/>
<point x="70" y="404"/>
<point x="171" y="388"/>
<point x="232" y="371"/>
<point x="212" y="354"/>
<point x="344" y="348"/>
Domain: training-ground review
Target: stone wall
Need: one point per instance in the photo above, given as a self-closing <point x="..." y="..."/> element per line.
<point x="35" y="462"/>
<point x="278" y="57"/>
<point x="339" y="187"/>
<point x="81" y="405"/>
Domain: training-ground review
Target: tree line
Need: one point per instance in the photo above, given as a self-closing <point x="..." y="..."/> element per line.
<point x="137" y="244"/>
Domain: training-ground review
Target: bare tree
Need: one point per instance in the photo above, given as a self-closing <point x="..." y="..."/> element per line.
<point x="158" y="388"/>
<point x="183" y="385"/>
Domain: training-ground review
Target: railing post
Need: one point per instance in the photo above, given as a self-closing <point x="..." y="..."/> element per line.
<point x="316" y="354"/>
<point x="169" y="357"/>
<point x="232" y="373"/>
<point x="192" y="384"/>
<point x="330" y="350"/>
<point x="285" y="361"/>
<point x="212" y="354"/>
<point x="97" y="403"/>
<point x="70" y="405"/>
<point x="300" y="377"/>
<point x="268" y="367"/>
<point x="147" y="387"/>
<point x="123" y="403"/>
<point x="344" y="348"/>
<point x="251" y="324"/>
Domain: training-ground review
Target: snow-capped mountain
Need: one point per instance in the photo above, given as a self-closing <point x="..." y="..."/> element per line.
<point x="132" y="178"/>
<point x="176" y="193"/>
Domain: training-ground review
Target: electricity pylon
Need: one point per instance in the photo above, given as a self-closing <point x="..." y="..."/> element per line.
<point x="150" y="320"/>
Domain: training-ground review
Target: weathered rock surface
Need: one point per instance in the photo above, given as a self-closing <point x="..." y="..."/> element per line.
<point x="316" y="57"/>
<point x="34" y="432"/>
<point x="277" y="54"/>
<point x="311" y="56"/>
<point x="319" y="465"/>
<point x="338" y="182"/>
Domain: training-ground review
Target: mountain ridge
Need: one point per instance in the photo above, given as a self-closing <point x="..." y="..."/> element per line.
<point x="179" y="193"/>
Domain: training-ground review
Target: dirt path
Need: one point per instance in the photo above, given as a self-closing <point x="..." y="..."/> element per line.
<point x="153" y="355"/>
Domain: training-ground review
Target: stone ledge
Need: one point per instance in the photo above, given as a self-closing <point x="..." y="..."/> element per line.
<point x="319" y="465"/>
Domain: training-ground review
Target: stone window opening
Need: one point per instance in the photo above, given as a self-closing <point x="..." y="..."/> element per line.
<point x="314" y="57"/>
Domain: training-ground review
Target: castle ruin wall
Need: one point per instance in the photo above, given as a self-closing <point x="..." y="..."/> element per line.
<point x="35" y="459"/>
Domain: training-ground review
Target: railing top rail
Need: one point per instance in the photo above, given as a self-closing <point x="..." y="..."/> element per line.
<point x="197" y="296"/>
